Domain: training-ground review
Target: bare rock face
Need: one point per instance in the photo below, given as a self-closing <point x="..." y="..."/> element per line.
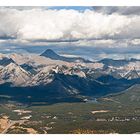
<point x="4" y="122"/>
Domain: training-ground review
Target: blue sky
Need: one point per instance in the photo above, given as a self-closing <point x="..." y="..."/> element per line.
<point x="79" y="8"/>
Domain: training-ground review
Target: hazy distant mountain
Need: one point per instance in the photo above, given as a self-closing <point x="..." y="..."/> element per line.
<point x="121" y="62"/>
<point x="51" y="54"/>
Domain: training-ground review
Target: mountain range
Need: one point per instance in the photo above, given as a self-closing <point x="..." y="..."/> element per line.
<point x="51" y="77"/>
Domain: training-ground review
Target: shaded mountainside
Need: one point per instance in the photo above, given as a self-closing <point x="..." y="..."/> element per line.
<point x="64" y="88"/>
<point x="5" y="61"/>
<point x="111" y="62"/>
<point x="131" y="96"/>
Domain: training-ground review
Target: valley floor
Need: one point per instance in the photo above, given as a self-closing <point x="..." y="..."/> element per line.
<point x="64" y="118"/>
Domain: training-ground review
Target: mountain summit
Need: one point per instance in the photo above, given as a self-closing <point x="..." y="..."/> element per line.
<point x="51" y="54"/>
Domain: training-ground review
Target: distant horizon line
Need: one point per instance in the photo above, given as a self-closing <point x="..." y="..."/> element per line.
<point x="70" y="55"/>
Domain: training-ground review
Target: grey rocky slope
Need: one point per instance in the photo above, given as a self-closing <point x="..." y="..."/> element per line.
<point x="59" y="77"/>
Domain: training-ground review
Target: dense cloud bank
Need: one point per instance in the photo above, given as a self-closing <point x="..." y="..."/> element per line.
<point x="42" y="24"/>
<point x="97" y="27"/>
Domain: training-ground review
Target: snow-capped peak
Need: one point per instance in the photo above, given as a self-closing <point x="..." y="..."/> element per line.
<point x="14" y="74"/>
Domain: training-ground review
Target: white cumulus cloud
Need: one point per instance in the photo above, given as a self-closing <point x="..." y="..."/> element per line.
<point x="46" y="24"/>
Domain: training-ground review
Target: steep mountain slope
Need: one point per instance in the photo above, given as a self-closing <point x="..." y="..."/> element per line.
<point x="14" y="74"/>
<point x="131" y="96"/>
<point x="62" y="87"/>
<point x="5" y="61"/>
<point x="133" y="74"/>
<point x="43" y="77"/>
